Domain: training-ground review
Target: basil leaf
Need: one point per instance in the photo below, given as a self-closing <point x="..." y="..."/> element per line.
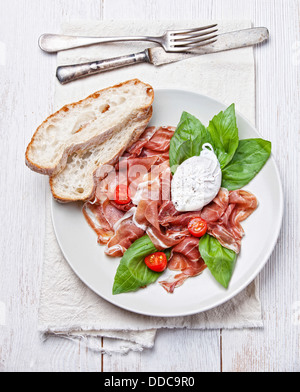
<point x="133" y="273"/>
<point x="225" y="136"/>
<point x="219" y="260"/>
<point x="249" y="158"/>
<point x="168" y="253"/>
<point x="188" y="140"/>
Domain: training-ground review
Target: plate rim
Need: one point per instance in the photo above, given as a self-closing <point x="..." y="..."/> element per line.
<point x="248" y="281"/>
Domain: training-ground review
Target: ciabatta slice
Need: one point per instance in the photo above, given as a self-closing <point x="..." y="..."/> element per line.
<point x="76" y="181"/>
<point x="86" y="123"/>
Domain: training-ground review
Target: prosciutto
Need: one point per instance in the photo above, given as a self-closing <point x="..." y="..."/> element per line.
<point x="136" y="148"/>
<point x="160" y="141"/>
<point x="187" y="259"/>
<point x="102" y="218"/>
<point x="147" y="218"/>
<point x="126" y="234"/>
<point x="155" y="139"/>
<point x="145" y="169"/>
<point x="225" y="214"/>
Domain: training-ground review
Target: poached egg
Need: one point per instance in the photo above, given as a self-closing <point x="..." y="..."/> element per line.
<point x="197" y="181"/>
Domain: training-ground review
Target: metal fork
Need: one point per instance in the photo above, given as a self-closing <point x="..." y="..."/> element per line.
<point x="171" y="41"/>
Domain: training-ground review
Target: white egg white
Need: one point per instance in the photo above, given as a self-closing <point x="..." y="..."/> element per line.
<point x="197" y="181"/>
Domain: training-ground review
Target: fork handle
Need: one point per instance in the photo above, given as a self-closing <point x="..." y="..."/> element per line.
<point x="53" y="43"/>
<point x="69" y="73"/>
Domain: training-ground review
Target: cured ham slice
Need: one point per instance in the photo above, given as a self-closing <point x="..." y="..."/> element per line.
<point x="161" y="157"/>
<point x="147" y="214"/>
<point x="149" y="196"/>
<point x="122" y="207"/>
<point x="194" y="270"/>
<point x="160" y="240"/>
<point x="150" y="186"/>
<point x="165" y="183"/>
<point x="178" y="233"/>
<point x="167" y="209"/>
<point x="138" y="146"/>
<point x="146" y="217"/>
<point x="189" y="248"/>
<point x="214" y="211"/>
<point x="102" y="218"/>
<point x="181" y="220"/>
<point x="106" y="188"/>
<point x="224" y="215"/>
<point x="155" y="139"/>
<point x="126" y="234"/>
<point x="104" y="235"/>
<point x="187" y="259"/>
<point x="160" y="141"/>
<point x="131" y="163"/>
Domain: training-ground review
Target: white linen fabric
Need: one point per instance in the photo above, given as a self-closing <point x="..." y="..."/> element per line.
<point x="67" y="307"/>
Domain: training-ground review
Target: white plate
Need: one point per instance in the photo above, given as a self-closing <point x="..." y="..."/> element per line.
<point x="79" y="242"/>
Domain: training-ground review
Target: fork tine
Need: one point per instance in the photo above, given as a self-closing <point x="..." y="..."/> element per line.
<point x="193" y="42"/>
<point x="195" y="46"/>
<point x="183" y="31"/>
<point x="193" y="33"/>
<point x="192" y="36"/>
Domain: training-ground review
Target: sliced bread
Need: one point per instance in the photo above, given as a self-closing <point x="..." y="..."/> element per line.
<point x="76" y="181"/>
<point x="87" y="123"/>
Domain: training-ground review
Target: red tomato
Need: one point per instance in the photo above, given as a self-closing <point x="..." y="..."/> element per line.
<point x="197" y="227"/>
<point x="157" y="261"/>
<point x="122" y="194"/>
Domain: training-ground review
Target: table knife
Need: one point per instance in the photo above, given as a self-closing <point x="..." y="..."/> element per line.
<point x="157" y="56"/>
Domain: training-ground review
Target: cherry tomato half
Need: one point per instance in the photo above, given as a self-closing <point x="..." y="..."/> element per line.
<point x="197" y="227"/>
<point x="157" y="261"/>
<point x="122" y="194"/>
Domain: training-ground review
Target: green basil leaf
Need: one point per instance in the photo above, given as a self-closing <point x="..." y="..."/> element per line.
<point x="249" y="158"/>
<point x="219" y="260"/>
<point x="225" y="136"/>
<point x="188" y="140"/>
<point x="133" y="273"/>
<point x="168" y="253"/>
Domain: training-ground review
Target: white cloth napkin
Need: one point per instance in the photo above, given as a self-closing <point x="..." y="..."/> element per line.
<point x="67" y="307"/>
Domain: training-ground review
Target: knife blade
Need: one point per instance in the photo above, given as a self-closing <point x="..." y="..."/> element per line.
<point x="157" y="56"/>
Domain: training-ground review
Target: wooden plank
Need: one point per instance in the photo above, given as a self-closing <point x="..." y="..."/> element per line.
<point x="157" y="10"/>
<point x="174" y="351"/>
<point x="26" y="98"/>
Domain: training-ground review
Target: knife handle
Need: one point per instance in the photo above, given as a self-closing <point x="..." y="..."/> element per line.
<point x="69" y="73"/>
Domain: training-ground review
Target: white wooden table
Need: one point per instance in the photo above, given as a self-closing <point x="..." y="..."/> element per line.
<point x="26" y="98"/>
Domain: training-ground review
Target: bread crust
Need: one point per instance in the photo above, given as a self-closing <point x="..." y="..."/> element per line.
<point x="93" y="141"/>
